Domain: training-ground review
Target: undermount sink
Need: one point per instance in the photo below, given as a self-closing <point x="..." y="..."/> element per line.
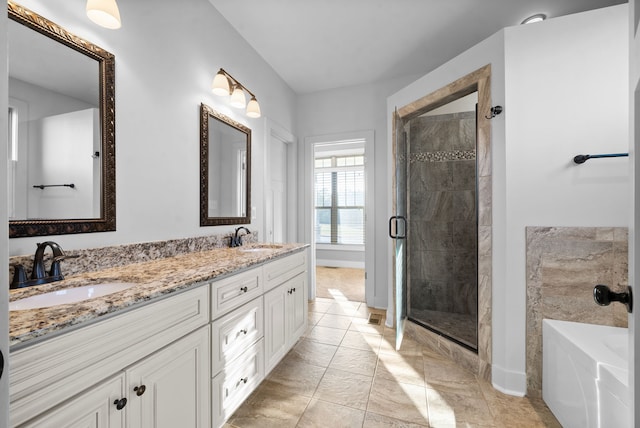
<point x="254" y="248"/>
<point x="69" y="295"/>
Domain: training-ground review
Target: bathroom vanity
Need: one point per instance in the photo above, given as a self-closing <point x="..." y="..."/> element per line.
<point x="184" y="347"/>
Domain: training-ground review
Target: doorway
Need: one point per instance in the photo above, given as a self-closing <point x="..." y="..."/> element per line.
<point x="478" y="81"/>
<point x="280" y="201"/>
<point x="339" y="215"/>
<point x="442" y="221"/>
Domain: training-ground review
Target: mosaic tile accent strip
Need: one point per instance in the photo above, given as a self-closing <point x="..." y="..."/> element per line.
<point x="455" y="155"/>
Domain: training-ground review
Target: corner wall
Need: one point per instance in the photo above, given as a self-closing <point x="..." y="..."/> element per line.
<point x="345" y="110"/>
<point x="4" y="232"/>
<point x="566" y="94"/>
<point x="634" y="229"/>
<point x="563" y="86"/>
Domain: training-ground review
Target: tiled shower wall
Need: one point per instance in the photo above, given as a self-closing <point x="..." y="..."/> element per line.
<point x="442" y="210"/>
<point x="563" y="266"/>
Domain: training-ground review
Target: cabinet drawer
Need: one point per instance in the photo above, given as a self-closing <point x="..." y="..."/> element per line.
<point x="279" y="271"/>
<point x="238" y="379"/>
<point x="235" y="332"/>
<point x="234" y="291"/>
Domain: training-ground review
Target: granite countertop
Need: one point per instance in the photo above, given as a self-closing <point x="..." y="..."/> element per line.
<point x="154" y="279"/>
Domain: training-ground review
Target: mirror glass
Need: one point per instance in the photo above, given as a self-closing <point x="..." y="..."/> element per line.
<point x="61" y="130"/>
<point x="225" y="169"/>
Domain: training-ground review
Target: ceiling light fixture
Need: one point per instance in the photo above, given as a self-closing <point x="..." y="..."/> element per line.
<point x="105" y="13"/>
<point x="538" y="17"/>
<point x="224" y="85"/>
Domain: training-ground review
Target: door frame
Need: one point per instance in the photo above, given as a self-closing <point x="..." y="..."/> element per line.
<point x="273" y="130"/>
<point x="480" y="81"/>
<point x="369" y="172"/>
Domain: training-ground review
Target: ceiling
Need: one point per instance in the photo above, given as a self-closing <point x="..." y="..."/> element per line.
<point x="316" y="45"/>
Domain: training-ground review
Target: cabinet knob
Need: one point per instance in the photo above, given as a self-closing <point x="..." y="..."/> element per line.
<point x="244" y="380"/>
<point x="243" y="331"/>
<point x="244" y="289"/>
<point x="139" y="390"/>
<point x="294" y="289"/>
<point x="120" y="403"/>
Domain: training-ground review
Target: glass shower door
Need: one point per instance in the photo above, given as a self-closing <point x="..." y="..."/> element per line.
<point x="398" y="223"/>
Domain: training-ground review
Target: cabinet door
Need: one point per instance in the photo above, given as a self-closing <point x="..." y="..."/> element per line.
<point x="171" y="387"/>
<point x="93" y="408"/>
<point x="296" y="308"/>
<point x="275" y="326"/>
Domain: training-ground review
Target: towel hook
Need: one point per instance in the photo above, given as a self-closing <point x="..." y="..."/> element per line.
<point x="494" y="112"/>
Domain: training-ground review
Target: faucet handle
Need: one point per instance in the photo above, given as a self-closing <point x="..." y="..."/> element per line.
<point x="55" y="270"/>
<point x="19" y="277"/>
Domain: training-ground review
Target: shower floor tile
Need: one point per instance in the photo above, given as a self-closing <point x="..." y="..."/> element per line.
<point x="462" y="327"/>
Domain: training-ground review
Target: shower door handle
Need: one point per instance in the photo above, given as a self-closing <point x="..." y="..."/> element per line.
<point x="404" y="227"/>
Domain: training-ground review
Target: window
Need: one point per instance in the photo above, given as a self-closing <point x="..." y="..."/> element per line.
<point x="339" y="199"/>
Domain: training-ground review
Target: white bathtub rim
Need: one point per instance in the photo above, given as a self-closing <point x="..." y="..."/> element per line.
<point x="579" y="336"/>
<point x="616" y="381"/>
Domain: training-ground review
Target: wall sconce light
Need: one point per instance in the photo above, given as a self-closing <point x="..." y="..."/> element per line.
<point x="224" y="84"/>
<point x="105" y="13"/>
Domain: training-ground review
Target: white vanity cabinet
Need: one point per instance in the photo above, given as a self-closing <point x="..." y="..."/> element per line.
<point x="250" y="339"/>
<point x="170" y="388"/>
<point x="285" y="318"/>
<point x="93" y="408"/>
<point x="79" y="378"/>
<point x="187" y="360"/>
<point x="167" y="389"/>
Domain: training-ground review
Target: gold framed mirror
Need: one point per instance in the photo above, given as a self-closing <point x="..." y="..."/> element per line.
<point x="61" y="130"/>
<point x="225" y="170"/>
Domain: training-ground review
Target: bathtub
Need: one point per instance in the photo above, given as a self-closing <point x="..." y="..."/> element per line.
<point x="585" y="379"/>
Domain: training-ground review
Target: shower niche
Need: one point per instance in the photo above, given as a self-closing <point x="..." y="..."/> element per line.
<point x="442" y="221"/>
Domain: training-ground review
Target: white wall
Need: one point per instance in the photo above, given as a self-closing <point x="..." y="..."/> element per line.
<point x="345" y="110"/>
<point x="60" y="152"/>
<point x="566" y="94"/>
<point x="167" y="54"/>
<point x="634" y="231"/>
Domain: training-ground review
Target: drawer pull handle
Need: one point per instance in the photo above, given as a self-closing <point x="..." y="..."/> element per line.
<point x="243" y="331"/>
<point x="139" y="390"/>
<point x="294" y="289"/>
<point x="244" y="289"/>
<point x="120" y="403"/>
<point x="243" y="380"/>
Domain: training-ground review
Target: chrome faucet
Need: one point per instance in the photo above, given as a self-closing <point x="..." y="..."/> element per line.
<point x="39" y="275"/>
<point x="236" y="240"/>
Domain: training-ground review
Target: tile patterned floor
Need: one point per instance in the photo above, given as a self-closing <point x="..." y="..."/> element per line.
<point x="345" y="372"/>
<point x="348" y="282"/>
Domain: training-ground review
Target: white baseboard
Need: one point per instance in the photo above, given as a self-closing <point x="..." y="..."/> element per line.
<point x="508" y="381"/>
<point x="340" y="264"/>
